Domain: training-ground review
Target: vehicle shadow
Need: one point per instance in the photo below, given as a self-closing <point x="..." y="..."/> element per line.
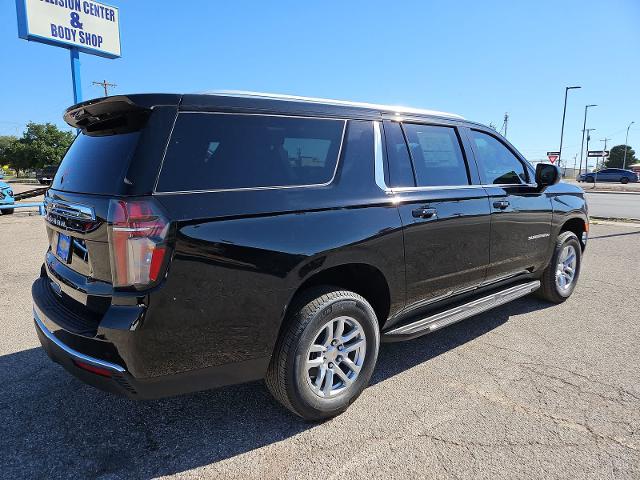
<point x="52" y="425"/>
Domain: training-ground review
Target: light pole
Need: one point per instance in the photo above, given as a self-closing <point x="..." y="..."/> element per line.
<point x="624" y="161"/>
<point x="584" y="126"/>
<point x="564" y="113"/>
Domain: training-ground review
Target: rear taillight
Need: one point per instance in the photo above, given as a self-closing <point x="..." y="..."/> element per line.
<point x="137" y="235"/>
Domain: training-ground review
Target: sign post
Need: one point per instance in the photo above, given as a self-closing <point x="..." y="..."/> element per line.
<point x="85" y="26"/>
<point x="75" y="75"/>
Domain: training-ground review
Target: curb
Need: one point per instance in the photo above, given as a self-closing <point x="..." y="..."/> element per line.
<point x="612" y="191"/>
<point x="614" y="219"/>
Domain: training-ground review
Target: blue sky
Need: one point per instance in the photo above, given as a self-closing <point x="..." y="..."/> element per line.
<point x="476" y="58"/>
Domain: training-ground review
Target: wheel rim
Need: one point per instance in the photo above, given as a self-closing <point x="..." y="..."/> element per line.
<point x="566" y="269"/>
<point x="335" y="358"/>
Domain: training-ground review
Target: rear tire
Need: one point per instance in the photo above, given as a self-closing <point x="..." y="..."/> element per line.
<point x="7" y="211"/>
<point x="624" y="180"/>
<point x="317" y="370"/>
<point x="561" y="275"/>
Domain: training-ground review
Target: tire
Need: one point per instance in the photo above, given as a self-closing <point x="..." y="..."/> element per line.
<point x="7" y="211"/>
<point x="291" y="380"/>
<point x="624" y="180"/>
<point x="590" y="180"/>
<point x="551" y="288"/>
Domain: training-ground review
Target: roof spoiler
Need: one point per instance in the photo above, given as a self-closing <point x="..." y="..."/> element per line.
<point x="116" y="114"/>
<point x="107" y="116"/>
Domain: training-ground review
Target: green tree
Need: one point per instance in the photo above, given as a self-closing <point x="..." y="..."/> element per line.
<point x="41" y="144"/>
<point x="6" y="141"/>
<point x="616" y="157"/>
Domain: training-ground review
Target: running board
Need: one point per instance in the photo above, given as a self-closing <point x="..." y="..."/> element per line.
<point x="455" y="314"/>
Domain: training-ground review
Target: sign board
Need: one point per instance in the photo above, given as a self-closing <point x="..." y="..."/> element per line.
<point x="553" y="156"/>
<point x="598" y="153"/>
<point x="86" y="25"/>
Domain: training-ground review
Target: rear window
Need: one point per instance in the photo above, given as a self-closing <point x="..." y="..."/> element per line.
<point x="96" y="164"/>
<point x="222" y="151"/>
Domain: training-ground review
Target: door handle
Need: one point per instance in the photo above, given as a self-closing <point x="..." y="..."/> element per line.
<point x="501" y="204"/>
<point x="424" y="212"/>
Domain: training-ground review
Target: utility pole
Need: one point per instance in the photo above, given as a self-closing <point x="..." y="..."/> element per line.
<point x="586" y="160"/>
<point x="104" y="84"/>
<point x="604" y="140"/>
<point x="505" y="123"/>
<point x="624" y="161"/>
<point x="584" y="126"/>
<point x="564" y="113"/>
<point x="575" y="160"/>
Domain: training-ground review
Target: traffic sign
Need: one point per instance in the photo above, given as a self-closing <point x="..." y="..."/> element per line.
<point x="598" y="153"/>
<point x="553" y="156"/>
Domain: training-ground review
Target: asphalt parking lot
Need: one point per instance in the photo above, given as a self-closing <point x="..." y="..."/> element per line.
<point x="527" y="391"/>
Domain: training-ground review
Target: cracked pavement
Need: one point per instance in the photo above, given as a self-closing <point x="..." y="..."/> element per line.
<point x="528" y="390"/>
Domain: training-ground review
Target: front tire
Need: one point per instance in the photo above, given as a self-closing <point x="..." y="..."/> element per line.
<point x="326" y="353"/>
<point x="624" y="180"/>
<point x="561" y="275"/>
<point x="7" y="211"/>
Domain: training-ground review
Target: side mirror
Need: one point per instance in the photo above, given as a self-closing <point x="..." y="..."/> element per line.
<point x="546" y="175"/>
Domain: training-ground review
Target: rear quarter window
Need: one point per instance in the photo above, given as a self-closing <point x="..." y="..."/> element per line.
<point x="227" y="151"/>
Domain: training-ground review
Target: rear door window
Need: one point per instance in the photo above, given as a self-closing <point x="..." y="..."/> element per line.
<point x="437" y="155"/>
<point x="227" y="151"/>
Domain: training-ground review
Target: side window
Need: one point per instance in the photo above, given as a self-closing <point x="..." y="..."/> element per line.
<point x="437" y="155"/>
<point x="220" y="151"/>
<point x="498" y="164"/>
<point x="400" y="169"/>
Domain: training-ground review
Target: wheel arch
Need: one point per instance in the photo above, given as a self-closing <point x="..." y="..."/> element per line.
<point x="578" y="226"/>
<point x="362" y="278"/>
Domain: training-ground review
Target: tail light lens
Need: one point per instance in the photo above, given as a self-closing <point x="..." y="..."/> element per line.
<point x="137" y="242"/>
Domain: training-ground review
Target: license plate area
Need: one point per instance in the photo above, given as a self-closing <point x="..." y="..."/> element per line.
<point x="63" y="247"/>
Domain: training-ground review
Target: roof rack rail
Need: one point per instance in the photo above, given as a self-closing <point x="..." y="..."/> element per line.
<point x="278" y="96"/>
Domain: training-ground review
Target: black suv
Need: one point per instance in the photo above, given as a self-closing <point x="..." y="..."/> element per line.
<point x="45" y="174"/>
<point x="203" y="240"/>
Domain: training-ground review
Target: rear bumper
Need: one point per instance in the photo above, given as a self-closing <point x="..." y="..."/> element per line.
<point x="118" y="380"/>
<point x="73" y="345"/>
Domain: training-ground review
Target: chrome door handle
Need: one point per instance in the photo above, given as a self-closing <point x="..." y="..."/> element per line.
<point x="501" y="204"/>
<point x="424" y="212"/>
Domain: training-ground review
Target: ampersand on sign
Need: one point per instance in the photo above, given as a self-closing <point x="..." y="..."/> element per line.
<point x="75" y="21"/>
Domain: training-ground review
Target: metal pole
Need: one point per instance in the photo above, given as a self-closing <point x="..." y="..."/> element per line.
<point x="624" y="161"/>
<point x="584" y="126"/>
<point x="586" y="160"/>
<point x="564" y="113"/>
<point x="75" y="75"/>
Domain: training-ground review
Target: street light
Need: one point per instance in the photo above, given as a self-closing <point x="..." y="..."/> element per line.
<point x="564" y="113"/>
<point x="624" y="161"/>
<point x="584" y="126"/>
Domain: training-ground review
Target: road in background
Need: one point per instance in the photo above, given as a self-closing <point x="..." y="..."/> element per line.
<point x="606" y="186"/>
<point x="528" y="390"/>
<point x="614" y="205"/>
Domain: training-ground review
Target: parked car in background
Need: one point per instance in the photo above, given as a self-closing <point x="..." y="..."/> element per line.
<point x="196" y="241"/>
<point x="45" y="174"/>
<point x="609" y="175"/>
<point x="6" y="198"/>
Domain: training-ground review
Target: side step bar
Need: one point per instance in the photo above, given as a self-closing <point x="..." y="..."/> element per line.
<point x="455" y="314"/>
